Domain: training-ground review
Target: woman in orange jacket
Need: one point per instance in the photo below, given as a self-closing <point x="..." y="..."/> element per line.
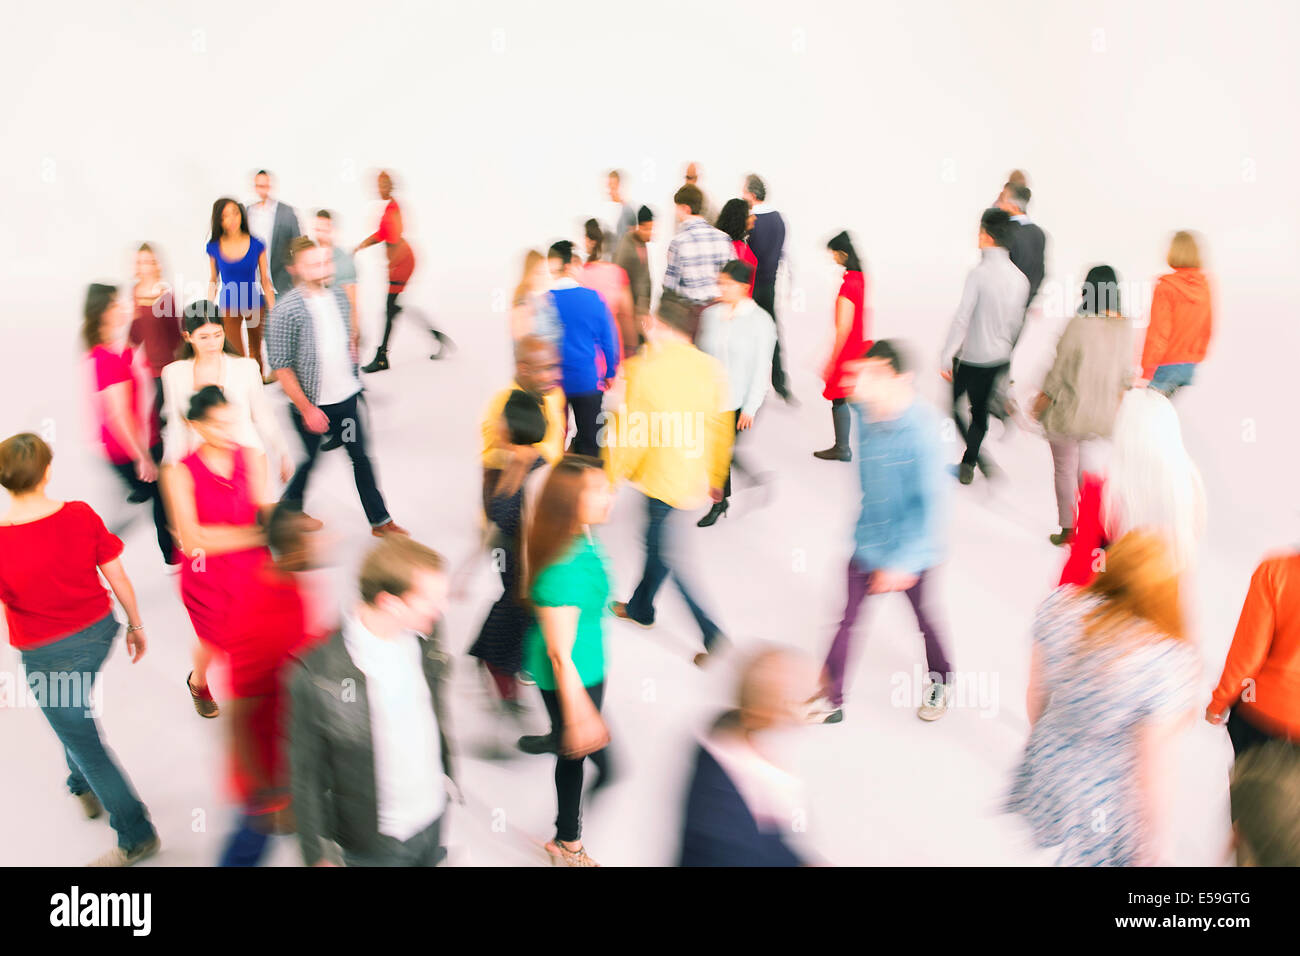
<point x="1178" y="331"/>
<point x="1261" y="677"/>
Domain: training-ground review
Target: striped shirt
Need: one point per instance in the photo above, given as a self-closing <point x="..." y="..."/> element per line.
<point x="695" y="257"/>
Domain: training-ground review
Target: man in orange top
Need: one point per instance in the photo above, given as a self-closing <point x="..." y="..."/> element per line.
<point x="1261" y="677"/>
<point x="1178" y="330"/>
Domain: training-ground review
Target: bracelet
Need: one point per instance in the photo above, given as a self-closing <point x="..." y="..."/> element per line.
<point x="134" y="627"/>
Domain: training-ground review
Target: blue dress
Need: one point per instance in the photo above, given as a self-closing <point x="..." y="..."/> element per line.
<point x="240" y="293"/>
<point x="1077" y="784"/>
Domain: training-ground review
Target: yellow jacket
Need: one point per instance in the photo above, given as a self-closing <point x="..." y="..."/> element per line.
<point x="557" y="424"/>
<point x="671" y="437"/>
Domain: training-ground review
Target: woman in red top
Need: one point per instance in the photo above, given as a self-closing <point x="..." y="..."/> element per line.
<point x="735" y="220"/>
<point x="851" y="343"/>
<point x="61" y="621"/>
<point x="126" y="432"/>
<point x="156" y="326"/>
<point x="401" y="264"/>
<point x="611" y="282"/>
<point x="216" y="494"/>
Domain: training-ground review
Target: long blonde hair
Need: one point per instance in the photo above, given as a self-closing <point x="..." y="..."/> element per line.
<point x="525" y="286"/>
<point x="1152" y="484"/>
<point x="1139" y="582"/>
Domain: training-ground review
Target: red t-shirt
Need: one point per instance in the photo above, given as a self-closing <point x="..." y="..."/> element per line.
<point x="746" y="254"/>
<point x="157" y="327"/>
<point x="113" y="368"/>
<point x="267" y="627"/>
<point x="48" y="578"/>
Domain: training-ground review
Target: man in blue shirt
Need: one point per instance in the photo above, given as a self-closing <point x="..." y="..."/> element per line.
<point x="899" y="534"/>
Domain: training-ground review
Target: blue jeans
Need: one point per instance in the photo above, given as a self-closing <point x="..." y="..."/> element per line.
<point x="1170" y="378"/>
<point x="75" y="660"/>
<point x="641" y="606"/>
<point x="247" y="845"/>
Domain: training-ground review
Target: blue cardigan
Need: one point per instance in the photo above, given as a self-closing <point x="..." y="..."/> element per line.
<point x="586" y="326"/>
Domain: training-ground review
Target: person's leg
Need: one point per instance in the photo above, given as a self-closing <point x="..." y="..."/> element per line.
<point x="506" y="684"/>
<point x="960" y="386"/>
<point x="255" y="330"/>
<point x="673" y="556"/>
<point x="765" y="298"/>
<point x="346" y="421"/>
<point x="166" y="544"/>
<point x="62" y="675"/>
<point x="838" y="657"/>
<point x="425" y="848"/>
<point x="1065" y="470"/>
<point x="586" y="414"/>
<point x="840" y="420"/>
<point x="936" y="658"/>
<point x="297" y="488"/>
<point x="233" y="323"/>
<point x="568" y="779"/>
<point x="640" y="607"/>
<point x="391" y="308"/>
<point x="600" y="758"/>
<point x="1243" y="733"/>
<point x="247" y="845"/>
<point x="981" y="385"/>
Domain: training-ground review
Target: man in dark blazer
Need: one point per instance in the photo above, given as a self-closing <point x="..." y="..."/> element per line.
<point x="767" y="242"/>
<point x="276" y="224"/>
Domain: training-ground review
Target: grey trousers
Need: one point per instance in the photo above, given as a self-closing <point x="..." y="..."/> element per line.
<point x="1071" y="457"/>
<point x="423" y="849"/>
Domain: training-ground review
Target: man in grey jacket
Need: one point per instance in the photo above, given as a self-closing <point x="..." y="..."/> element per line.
<point x="983" y="335"/>
<point x="276" y="224"/>
<point x="368" y="745"/>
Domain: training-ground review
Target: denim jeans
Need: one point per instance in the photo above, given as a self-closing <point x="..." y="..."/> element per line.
<point x="1170" y="378"/>
<point x="247" y="845"/>
<point x="91" y="767"/>
<point x="346" y="422"/>
<point x="657" y="567"/>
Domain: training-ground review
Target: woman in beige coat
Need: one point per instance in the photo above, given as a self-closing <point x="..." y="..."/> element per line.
<point x="1082" y="392"/>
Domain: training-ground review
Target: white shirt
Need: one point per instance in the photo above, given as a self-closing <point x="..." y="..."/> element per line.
<point x="337" y="380"/>
<point x="241" y="381"/>
<point x="403" y="728"/>
<point x="261" y="222"/>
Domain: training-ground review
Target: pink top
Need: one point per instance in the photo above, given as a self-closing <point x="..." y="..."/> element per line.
<point x="609" y="280"/>
<point x="114" y="368"/>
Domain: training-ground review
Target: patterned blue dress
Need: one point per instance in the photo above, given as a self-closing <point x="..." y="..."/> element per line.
<point x="1077" y="785"/>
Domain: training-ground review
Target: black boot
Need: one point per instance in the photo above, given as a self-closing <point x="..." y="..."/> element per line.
<point x="840" y="418"/>
<point x="379" y="363"/>
<point x="717" y="511"/>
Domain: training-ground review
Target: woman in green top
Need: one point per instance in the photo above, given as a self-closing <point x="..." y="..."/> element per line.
<point x="568" y="587"/>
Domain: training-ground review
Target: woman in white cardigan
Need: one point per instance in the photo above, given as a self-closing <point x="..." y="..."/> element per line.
<point x="210" y="360"/>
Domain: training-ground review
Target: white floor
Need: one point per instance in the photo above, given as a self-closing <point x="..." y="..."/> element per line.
<point x="884" y="788"/>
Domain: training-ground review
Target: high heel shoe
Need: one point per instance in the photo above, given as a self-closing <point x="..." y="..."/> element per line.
<point x="378" y="364"/>
<point x="717" y="511"/>
<point x="445" y="345"/>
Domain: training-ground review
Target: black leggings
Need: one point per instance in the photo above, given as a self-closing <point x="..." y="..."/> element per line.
<point x="153" y="491"/>
<point x="391" y="309"/>
<point x="568" y="773"/>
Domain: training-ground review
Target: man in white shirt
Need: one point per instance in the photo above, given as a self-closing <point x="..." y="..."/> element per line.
<point x="368" y="744"/>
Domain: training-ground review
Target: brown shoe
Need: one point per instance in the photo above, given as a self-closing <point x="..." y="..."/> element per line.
<point x="619" y="610"/>
<point x="119" y="857"/>
<point x="203" y="702"/>
<point x="90" y="804"/>
<point x="389" y="527"/>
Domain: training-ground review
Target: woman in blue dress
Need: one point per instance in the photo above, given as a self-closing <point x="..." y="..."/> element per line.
<point x="240" y="281"/>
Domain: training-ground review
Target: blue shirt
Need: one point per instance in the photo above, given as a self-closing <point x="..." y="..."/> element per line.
<point x="904" y="491"/>
<point x="585" y="327"/>
<point x="240" y="290"/>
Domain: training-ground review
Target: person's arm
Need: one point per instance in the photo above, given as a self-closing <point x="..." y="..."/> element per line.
<point x="1156" y="779"/>
<point x="607" y="341"/>
<point x="1250" y="644"/>
<point x="214" y="282"/>
<point x="672" y="272"/>
<point x="761" y="378"/>
<point x="200" y="539"/>
<point x="354" y="320"/>
<point x="175" y="431"/>
<point x="268" y="289"/>
<point x="1159" y="328"/>
<point x="843" y="325"/>
<point x="1036" y="695"/>
<point x="316" y="421"/>
<point x="308" y="770"/>
<point x="960" y="323"/>
<point x="264" y="420"/>
<point x="120" y="421"/>
<point x="1063" y="366"/>
<point x="116" y="577"/>
<point x="584" y="731"/>
<point x="623" y="461"/>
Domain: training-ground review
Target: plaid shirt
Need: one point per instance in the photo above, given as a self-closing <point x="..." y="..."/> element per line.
<point x="695" y="257"/>
<point x="292" y="343"/>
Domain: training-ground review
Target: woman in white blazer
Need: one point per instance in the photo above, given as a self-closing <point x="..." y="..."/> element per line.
<point x="209" y="359"/>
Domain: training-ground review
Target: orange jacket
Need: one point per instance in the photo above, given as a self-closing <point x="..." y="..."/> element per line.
<point x="1179" y="327"/>
<point x="1262" y="672"/>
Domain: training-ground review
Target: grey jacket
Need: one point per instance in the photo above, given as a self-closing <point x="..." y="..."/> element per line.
<point x="1094" y="363"/>
<point x="284" y="231"/>
<point x="291" y="340"/>
<point x="991" y="314"/>
<point x="332" y="753"/>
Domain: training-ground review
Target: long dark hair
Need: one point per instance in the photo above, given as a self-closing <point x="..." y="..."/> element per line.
<point x="218" y="208"/>
<point x="98" y="298"/>
<point x="596" y="235"/>
<point x="734" y="219"/>
<point x="1100" y="292"/>
<point x="198" y="314"/>
<point x="555" y="519"/>
<point x="203" y="401"/>
<point x="842" y="243"/>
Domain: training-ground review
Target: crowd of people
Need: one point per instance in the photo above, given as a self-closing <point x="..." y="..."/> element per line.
<point x="339" y="733"/>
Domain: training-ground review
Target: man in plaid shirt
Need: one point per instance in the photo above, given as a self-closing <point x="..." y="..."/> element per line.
<point x="698" y="251"/>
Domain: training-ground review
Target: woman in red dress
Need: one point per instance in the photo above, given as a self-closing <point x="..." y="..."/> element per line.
<point x="401" y="265"/>
<point x="851" y="343"/>
<point x="215" y="495"/>
<point x="735" y="220"/>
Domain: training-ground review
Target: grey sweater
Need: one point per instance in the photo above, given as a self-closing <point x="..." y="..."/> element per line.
<point x="1094" y="362"/>
<point x="992" y="311"/>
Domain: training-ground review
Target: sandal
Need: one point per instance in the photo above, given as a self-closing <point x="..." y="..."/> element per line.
<point x="203" y="702"/>
<point x="561" y="855"/>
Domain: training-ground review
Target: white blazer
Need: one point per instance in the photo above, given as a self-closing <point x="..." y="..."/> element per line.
<point x="241" y="380"/>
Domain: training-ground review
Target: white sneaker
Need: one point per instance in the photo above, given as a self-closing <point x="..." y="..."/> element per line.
<point x="935" y="704"/>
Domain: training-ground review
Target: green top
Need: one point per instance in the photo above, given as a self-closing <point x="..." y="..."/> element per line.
<point x="577" y="579"/>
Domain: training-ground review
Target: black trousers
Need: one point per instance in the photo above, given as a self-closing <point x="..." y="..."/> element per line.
<point x="391" y="308"/>
<point x="765" y="298"/>
<point x="568" y="773"/>
<point x="1244" y="734"/>
<point x="423" y="849"/>
<point x="151" y="491"/>
<point x="736" y="464"/>
<point x="345" y="421"/>
<point x="586" y="413"/>
<point x="976" y="382"/>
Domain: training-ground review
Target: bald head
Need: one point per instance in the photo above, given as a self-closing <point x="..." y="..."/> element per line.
<point x="774" y="686"/>
<point x="537" y="365"/>
<point x="692" y="174"/>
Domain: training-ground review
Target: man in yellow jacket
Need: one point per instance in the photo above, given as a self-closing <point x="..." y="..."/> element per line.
<point x="671" y="438"/>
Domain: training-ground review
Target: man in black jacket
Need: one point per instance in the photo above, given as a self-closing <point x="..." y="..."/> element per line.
<point x="367" y="740"/>
<point x="767" y="242"/>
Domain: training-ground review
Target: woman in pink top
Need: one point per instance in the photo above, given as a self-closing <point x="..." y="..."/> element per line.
<point x="125" y="429"/>
<point x="612" y="283"/>
<point x="735" y="220"/>
<point x="215" y="494"/>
